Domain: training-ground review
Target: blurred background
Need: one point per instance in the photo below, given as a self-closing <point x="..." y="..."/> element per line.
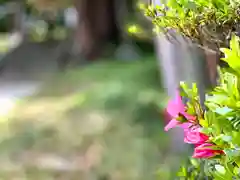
<point x="81" y="98"/>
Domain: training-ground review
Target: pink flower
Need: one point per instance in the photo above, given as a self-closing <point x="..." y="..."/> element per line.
<point x="166" y="115"/>
<point x="175" y="108"/>
<point x="205" y="151"/>
<point x="173" y="123"/>
<point x="195" y="137"/>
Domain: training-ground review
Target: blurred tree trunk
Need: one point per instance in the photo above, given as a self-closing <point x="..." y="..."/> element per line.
<point x="15" y="15"/>
<point x="96" y="26"/>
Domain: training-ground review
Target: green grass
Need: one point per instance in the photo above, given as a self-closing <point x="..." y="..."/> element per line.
<point x="103" y="119"/>
<point x="4" y="43"/>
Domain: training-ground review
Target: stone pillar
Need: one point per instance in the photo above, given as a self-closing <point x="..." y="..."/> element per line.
<point x="180" y="60"/>
<point x="17" y="9"/>
<point x="71" y="19"/>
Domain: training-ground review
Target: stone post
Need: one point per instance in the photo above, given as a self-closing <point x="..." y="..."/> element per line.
<point x="180" y="60"/>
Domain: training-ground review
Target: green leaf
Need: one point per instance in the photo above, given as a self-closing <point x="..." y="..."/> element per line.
<point x="227" y="138"/>
<point x="232" y="153"/>
<point x="209" y="117"/>
<point x="232" y="55"/>
<point x="234" y="44"/>
<point x="203" y="123"/>
<point x="195" y="162"/>
<point x="236" y="170"/>
<point x="220" y="169"/>
<point x="223" y="110"/>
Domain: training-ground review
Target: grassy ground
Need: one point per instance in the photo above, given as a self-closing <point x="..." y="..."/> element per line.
<point x="102" y="121"/>
<point x="4" y="43"/>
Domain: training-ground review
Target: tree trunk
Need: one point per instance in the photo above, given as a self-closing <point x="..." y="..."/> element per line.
<point x="16" y="16"/>
<point x="96" y="26"/>
<point x="16" y="20"/>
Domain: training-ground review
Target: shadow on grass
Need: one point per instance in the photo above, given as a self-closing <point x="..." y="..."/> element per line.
<point x="102" y="120"/>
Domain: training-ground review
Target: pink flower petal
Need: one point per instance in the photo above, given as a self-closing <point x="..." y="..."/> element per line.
<point x="178" y="98"/>
<point x="195" y="137"/>
<point x="204" y="154"/>
<point x="189" y="117"/>
<point x="186" y="126"/>
<point x="173" y="123"/>
<point x="204" y="151"/>
<point x="172" y="108"/>
<point x="176" y="106"/>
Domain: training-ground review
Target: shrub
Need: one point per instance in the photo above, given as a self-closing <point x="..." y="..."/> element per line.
<point x="214" y="130"/>
<point x="203" y="21"/>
